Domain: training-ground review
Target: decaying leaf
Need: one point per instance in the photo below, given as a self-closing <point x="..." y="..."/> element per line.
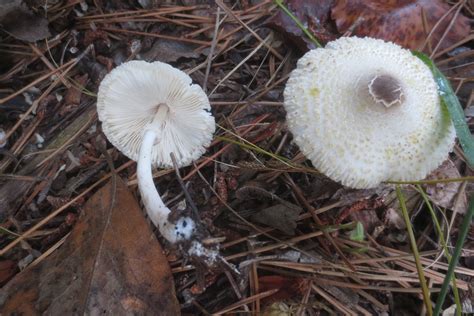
<point x="400" y="21"/>
<point x="393" y="219"/>
<point x="277" y="309"/>
<point x="462" y="68"/>
<point x="412" y="200"/>
<point x="281" y="216"/>
<point x="313" y="14"/>
<point x="169" y="51"/>
<point x="288" y="287"/>
<point x="111" y="264"/>
<point x="20" y="22"/>
<point x="363" y="211"/>
<point x="73" y="95"/>
<point x="446" y="194"/>
<point x="7" y="270"/>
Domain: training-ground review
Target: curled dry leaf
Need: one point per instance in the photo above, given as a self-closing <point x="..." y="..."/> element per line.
<point x="111" y="264"/>
<point x="400" y="21"/>
<point x="446" y="194"/>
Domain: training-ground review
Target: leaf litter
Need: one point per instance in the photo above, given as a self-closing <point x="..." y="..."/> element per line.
<point x="49" y="194"/>
<point x="107" y="265"/>
<point x="21" y="22"/>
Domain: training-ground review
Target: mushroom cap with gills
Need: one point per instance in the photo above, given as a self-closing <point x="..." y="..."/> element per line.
<point x="138" y="95"/>
<point x="366" y="111"/>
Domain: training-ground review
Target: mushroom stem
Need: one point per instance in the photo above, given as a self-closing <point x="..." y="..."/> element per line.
<point x="156" y="209"/>
<point x="158" y="212"/>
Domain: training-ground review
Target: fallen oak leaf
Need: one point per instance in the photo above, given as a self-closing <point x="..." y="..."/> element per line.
<point x="400" y="21"/>
<point x="110" y="264"/>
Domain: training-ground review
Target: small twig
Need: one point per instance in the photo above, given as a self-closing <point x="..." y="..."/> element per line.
<point x="183" y="186"/>
<point x="213" y="48"/>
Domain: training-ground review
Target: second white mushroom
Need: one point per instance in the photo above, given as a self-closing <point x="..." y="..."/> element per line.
<point x="367" y="111"/>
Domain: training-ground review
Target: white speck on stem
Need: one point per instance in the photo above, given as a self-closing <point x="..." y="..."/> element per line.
<point x="3" y="138"/>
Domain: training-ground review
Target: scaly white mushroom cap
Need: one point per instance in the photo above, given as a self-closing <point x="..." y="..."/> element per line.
<point x="366" y="111"/>
<point x="138" y="95"/>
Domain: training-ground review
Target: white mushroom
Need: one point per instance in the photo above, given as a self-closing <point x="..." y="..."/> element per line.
<point x="148" y="111"/>
<point x="366" y="111"/>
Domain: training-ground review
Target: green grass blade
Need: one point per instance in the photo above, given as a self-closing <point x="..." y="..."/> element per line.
<point x="457" y="300"/>
<point x="416" y="254"/>
<point x="434" y="181"/>
<point x="449" y="99"/>
<point x="282" y="6"/>
<point x="455" y="257"/>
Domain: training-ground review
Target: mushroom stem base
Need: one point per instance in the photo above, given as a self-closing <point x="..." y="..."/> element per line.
<point x="184" y="228"/>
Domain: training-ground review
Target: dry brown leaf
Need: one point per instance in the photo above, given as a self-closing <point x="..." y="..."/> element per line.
<point x="289" y="287"/>
<point x="280" y="216"/>
<point x="313" y="14"/>
<point x="73" y="95"/>
<point x="111" y="264"/>
<point x="20" y="22"/>
<point x="445" y="194"/>
<point x="399" y="21"/>
<point x="170" y="51"/>
<point x="393" y="219"/>
<point x="8" y="269"/>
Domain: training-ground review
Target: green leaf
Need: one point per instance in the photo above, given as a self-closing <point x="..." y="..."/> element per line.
<point x="451" y="102"/>
<point x="358" y="233"/>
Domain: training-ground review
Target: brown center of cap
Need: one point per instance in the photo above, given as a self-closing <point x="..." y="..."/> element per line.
<point x="386" y="90"/>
